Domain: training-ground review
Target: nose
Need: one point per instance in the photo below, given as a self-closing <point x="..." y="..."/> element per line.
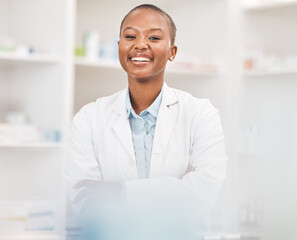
<point x="141" y="43"/>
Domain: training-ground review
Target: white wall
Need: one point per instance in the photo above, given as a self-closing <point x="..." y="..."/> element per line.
<point x="39" y="23"/>
<point x="92" y="83"/>
<point x="4" y="11"/>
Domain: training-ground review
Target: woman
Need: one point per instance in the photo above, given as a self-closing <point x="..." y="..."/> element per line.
<point x="149" y="142"/>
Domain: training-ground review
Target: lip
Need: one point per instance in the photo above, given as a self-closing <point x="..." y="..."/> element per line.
<point x="140" y="55"/>
<point x="144" y="55"/>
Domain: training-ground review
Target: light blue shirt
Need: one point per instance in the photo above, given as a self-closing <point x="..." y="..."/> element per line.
<point x="143" y="131"/>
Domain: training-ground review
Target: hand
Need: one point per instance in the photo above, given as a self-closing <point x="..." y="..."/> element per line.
<point x="190" y="169"/>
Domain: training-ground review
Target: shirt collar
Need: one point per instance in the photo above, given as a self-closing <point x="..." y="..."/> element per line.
<point x="153" y="109"/>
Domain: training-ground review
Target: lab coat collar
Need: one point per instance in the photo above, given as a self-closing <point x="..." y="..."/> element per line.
<point x="169" y="98"/>
<point x="153" y="109"/>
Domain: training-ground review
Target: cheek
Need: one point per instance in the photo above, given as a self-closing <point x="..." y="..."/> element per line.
<point x="123" y="49"/>
<point x="162" y="52"/>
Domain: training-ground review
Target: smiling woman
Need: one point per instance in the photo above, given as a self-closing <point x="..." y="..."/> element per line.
<point x="146" y="44"/>
<point x="149" y="143"/>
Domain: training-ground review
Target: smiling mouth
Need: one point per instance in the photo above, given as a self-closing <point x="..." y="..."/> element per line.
<point x="140" y="59"/>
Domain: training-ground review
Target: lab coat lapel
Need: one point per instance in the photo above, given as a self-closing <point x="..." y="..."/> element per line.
<point x="121" y="125"/>
<point x="166" y="120"/>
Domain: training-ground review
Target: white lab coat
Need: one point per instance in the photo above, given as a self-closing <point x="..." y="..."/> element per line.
<point x="188" y="135"/>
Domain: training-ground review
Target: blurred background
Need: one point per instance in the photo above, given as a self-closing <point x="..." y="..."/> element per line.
<point x="58" y="55"/>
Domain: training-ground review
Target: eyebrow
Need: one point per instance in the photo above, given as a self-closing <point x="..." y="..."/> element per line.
<point x="152" y="29"/>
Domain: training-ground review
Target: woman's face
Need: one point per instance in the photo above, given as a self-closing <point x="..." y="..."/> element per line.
<point x="145" y="45"/>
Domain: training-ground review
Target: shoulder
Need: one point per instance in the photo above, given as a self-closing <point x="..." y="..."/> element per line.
<point x="200" y="114"/>
<point x="110" y="99"/>
<point x="101" y="104"/>
<point x="193" y="105"/>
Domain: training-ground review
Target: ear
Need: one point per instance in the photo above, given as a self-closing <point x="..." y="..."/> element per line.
<point x="172" y="54"/>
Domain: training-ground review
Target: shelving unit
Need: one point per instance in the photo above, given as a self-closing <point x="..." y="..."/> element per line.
<point x="267" y="107"/>
<point x="39" y="86"/>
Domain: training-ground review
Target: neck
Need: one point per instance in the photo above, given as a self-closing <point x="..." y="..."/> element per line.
<point x="143" y="93"/>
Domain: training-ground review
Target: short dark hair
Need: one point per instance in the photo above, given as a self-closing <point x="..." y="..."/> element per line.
<point x="159" y="10"/>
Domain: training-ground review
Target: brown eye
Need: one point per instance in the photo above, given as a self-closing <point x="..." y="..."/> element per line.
<point x="130" y="37"/>
<point x="154" y="38"/>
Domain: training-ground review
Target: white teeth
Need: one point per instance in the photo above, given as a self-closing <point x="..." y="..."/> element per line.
<point x="140" y="59"/>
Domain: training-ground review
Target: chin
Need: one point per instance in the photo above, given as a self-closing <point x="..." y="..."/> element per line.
<point x="145" y="76"/>
<point x="141" y="76"/>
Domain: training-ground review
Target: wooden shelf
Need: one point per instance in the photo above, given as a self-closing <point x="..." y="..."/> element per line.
<point x="262" y="5"/>
<point x="35" y="58"/>
<point x="269" y="72"/>
<point x="82" y="62"/>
